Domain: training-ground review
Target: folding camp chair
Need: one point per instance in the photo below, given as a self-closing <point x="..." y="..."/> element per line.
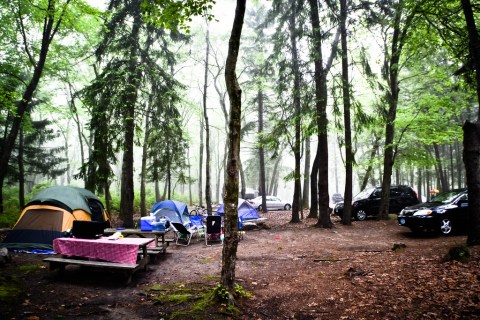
<point x="213" y="230"/>
<point x="197" y="223"/>
<point x="182" y="234"/>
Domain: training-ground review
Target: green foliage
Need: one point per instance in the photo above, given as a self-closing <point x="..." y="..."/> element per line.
<point x="11" y="208"/>
<point x="170" y="14"/>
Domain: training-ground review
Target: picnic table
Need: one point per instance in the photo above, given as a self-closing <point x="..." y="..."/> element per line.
<point x="159" y="247"/>
<point x="121" y="253"/>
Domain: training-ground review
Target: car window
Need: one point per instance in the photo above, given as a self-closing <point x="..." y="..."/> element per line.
<point x="364" y="194"/>
<point x="446" y="197"/>
<point x="394" y="192"/>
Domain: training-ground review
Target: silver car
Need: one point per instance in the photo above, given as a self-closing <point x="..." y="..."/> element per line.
<point x="273" y="203"/>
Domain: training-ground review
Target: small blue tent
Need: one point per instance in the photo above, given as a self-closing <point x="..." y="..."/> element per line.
<point x="175" y="211"/>
<point x="246" y="211"/>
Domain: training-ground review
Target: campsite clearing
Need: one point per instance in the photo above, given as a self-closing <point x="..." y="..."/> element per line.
<point x="294" y="271"/>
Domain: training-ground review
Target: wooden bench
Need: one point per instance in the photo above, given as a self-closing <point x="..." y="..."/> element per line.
<point x="60" y="263"/>
<point x="154" y="252"/>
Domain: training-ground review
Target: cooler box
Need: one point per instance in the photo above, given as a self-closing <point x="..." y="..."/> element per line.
<point x="158" y="226"/>
<point x="146" y="223"/>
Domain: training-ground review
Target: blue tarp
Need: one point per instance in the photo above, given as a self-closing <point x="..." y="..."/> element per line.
<point x="246" y="211"/>
<point x="175" y="211"/>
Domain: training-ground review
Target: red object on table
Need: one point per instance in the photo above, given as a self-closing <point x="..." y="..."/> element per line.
<point x="123" y="250"/>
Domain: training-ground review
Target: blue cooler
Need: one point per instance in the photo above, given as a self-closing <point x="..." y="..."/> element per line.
<point x="146" y="223"/>
<point x="158" y="226"/>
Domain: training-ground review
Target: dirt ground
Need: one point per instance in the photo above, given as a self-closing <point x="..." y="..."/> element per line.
<point x="293" y="271"/>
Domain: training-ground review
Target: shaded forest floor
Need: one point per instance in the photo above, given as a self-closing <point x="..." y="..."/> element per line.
<point x="292" y="271"/>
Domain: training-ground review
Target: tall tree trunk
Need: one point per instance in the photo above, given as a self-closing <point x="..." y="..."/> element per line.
<point x="168" y="182"/>
<point x="320" y="76"/>
<point x="261" y="152"/>
<point x="297" y="107"/>
<point x="21" y="171"/>
<point x="143" y="173"/>
<point x="313" y="189"/>
<point x="243" y="188"/>
<point x="190" y="200"/>
<point x="208" y="188"/>
<point x="271" y="189"/>
<point x="398" y="39"/>
<point x="229" y="254"/>
<point x="419" y="184"/>
<point x="200" y="165"/>
<point x="347" y="209"/>
<point x="306" y="175"/>
<point x="459" y="168"/>
<point x="127" y="186"/>
<point x="220" y="164"/>
<point x="452" y="166"/>
<point x="439" y="166"/>
<point x="471" y="135"/>
<point x="76" y="118"/>
<point x="157" y="190"/>
<point x="368" y="172"/>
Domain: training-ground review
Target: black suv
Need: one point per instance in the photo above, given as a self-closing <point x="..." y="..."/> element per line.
<point x="367" y="203"/>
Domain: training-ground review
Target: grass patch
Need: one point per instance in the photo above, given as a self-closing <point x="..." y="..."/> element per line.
<point x="29" y="267"/>
<point x="206" y="260"/>
<point x="197" y="301"/>
<point x="211" y="278"/>
<point x="9" y="289"/>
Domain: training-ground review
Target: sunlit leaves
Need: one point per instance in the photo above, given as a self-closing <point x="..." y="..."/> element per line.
<point x="172" y="14"/>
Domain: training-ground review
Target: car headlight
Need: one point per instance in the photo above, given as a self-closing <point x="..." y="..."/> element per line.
<point x="422" y="213"/>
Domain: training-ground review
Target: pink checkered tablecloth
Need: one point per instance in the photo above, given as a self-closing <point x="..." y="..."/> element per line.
<point x="123" y="250"/>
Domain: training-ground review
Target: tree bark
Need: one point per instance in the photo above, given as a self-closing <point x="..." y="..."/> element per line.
<point x="369" y="170"/>
<point x="229" y="254"/>
<point x="439" y="166"/>
<point x="320" y="76"/>
<point x="127" y="186"/>
<point x="208" y="188"/>
<point x="297" y="114"/>
<point x="398" y="39"/>
<point x="471" y="135"/>
<point x="313" y="189"/>
<point x="306" y="175"/>
<point x="347" y="208"/>
<point x="200" y="165"/>
<point x="261" y="152"/>
<point x="271" y="188"/>
<point x="143" y="173"/>
<point x="21" y="171"/>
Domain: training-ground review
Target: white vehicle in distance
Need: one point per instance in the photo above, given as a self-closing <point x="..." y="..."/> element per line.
<point x="273" y="203"/>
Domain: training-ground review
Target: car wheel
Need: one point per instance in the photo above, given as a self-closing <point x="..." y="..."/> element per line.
<point x="287" y="207"/>
<point x="446" y="227"/>
<point x="360" y="215"/>
<point x="259" y="208"/>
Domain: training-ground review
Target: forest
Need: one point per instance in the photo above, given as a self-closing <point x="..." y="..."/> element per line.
<point x="202" y="100"/>
<point x="131" y="99"/>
